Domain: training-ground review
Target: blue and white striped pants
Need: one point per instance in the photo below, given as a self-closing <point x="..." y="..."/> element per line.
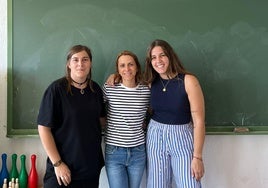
<point x="169" y="154"/>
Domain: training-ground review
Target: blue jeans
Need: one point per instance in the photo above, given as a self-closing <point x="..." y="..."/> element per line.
<point x="125" y="166"/>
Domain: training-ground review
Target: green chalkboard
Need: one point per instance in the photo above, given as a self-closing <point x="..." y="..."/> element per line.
<point x="224" y="42"/>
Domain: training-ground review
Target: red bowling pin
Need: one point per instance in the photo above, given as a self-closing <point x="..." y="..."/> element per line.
<point x="33" y="176"/>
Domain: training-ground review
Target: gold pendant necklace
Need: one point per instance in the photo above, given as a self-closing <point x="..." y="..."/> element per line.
<point x="164" y="85"/>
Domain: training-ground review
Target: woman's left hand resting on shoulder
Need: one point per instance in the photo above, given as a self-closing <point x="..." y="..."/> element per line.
<point x="111" y="80"/>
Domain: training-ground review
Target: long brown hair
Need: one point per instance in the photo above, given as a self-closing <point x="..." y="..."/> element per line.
<point x="175" y="66"/>
<point x="73" y="50"/>
<point x="138" y="77"/>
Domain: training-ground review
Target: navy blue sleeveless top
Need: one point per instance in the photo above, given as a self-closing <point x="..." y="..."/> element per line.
<point x="171" y="106"/>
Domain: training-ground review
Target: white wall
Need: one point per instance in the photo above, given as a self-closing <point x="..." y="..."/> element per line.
<point x="230" y="161"/>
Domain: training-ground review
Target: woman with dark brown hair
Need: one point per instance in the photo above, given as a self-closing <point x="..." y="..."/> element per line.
<point x="69" y="125"/>
<point x="176" y="131"/>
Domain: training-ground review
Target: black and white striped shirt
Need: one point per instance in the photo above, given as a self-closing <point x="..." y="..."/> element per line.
<point x="126" y="110"/>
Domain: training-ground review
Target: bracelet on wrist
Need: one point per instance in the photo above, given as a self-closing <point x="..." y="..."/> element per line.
<point x="199" y="158"/>
<point x="58" y="163"/>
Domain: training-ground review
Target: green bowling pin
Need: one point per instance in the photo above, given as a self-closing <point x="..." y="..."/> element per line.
<point x="14" y="171"/>
<point x="23" y="176"/>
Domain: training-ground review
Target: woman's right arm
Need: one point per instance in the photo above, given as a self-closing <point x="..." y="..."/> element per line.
<point x="49" y="145"/>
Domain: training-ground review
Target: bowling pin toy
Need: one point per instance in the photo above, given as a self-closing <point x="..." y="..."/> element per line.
<point x="33" y="176"/>
<point x="17" y="183"/>
<point x="5" y="183"/>
<point x="14" y="171"/>
<point x="13" y="182"/>
<point x="4" y="171"/>
<point x="23" y="176"/>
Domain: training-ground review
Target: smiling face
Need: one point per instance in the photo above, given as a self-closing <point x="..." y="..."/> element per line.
<point x="79" y="65"/>
<point x="127" y="68"/>
<point x="160" y="61"/>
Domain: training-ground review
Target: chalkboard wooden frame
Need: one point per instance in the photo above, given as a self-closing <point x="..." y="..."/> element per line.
<point x="157" y="30"/>
<point x="11" y="131"/>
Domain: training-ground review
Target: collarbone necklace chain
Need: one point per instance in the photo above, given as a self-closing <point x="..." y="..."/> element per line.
<point x="164" y="85"/>
<point x="80" y="86"/>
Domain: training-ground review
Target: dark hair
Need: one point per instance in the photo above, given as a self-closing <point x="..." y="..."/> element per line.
<point x="138" y="77"/>
<point x="73" y="50"/>
<point x="175" y="66"/>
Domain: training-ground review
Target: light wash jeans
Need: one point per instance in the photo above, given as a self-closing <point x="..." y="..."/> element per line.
<point x="125" y="166"/>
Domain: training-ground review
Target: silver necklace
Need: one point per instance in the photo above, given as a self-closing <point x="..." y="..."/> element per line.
<point x="80" y="85"/>
<point x="82" y="91"/>
<point x="164" y="85"/>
